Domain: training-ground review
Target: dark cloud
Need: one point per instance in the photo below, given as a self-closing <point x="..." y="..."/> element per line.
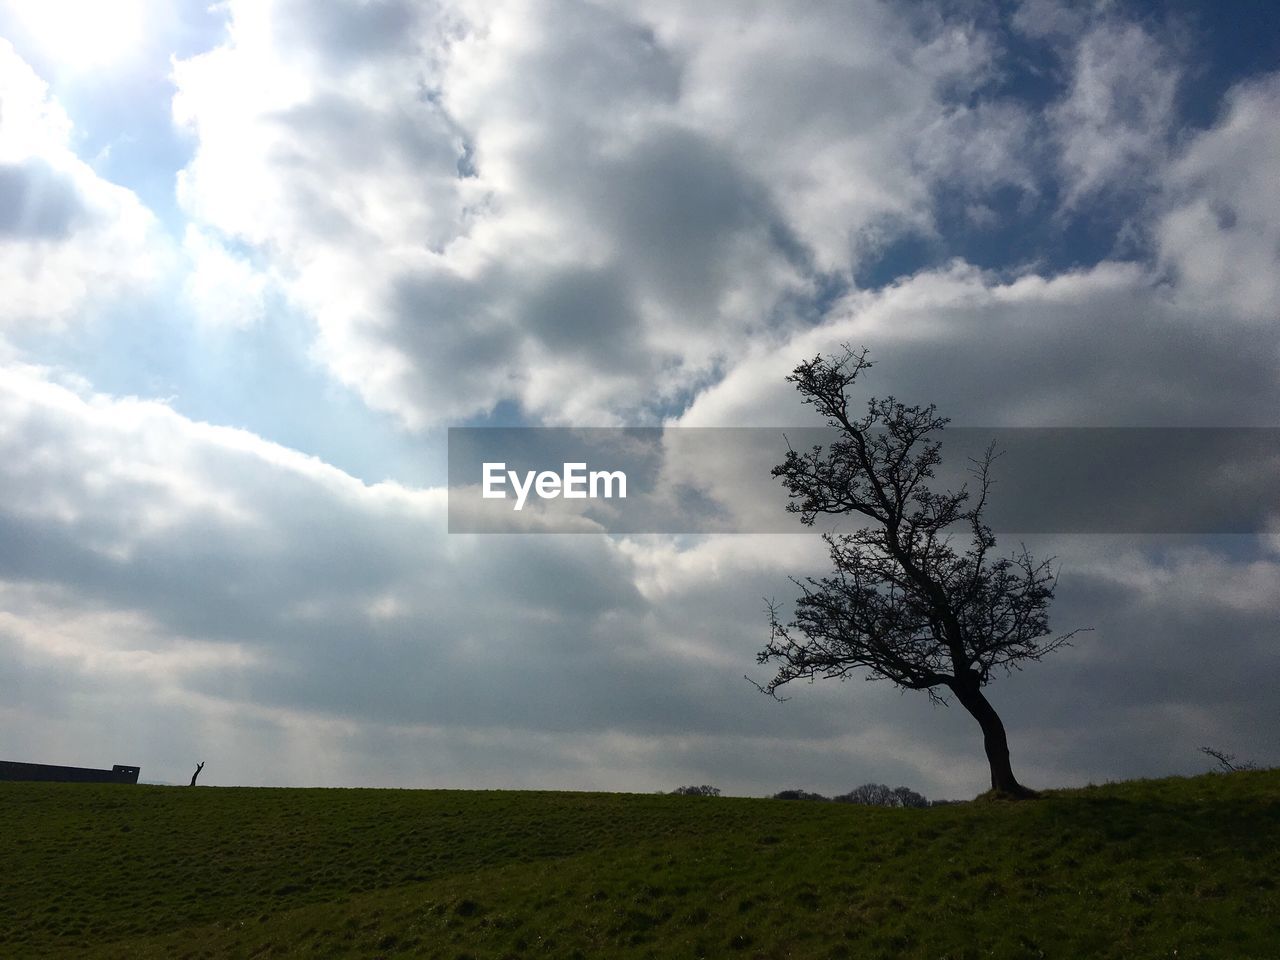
<point x="348" y="31"/>
<point x="585" y="312"/>
<point x="204" y="575"/>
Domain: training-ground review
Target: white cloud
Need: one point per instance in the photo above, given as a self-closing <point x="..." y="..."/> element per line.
<point x="588" y="209"/>
<point x="1050" y="18"/>
<point x="1108" y="346"/>
<point x="1220" y="232"/>
<point x="826" y="107"/>
<point x="1113" y="126"/>
<point x="71" y="241"/>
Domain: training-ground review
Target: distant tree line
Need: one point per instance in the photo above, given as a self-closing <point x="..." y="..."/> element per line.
<point x="867" y="795"/>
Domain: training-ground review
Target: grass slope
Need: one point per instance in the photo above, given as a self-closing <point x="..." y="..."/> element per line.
<point x="1164" y="868"/>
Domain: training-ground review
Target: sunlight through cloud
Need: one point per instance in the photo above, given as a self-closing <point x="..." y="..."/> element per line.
<point x="84" y="34"/>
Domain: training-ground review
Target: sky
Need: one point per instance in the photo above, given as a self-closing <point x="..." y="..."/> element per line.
<point x="257" y="257"/>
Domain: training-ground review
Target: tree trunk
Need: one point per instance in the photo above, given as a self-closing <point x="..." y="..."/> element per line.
<point x="993" y="739"/>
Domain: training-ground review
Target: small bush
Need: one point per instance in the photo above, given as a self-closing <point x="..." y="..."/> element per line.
<point x="703" y="791"/>
<point x="799" y="795"/>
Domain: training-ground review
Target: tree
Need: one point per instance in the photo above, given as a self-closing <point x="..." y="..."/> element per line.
<point x="903" y="603"/>
<point x="199" y="767"/>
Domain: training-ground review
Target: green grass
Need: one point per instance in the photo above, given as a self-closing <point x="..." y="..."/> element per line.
<point x="1164" y="868"/>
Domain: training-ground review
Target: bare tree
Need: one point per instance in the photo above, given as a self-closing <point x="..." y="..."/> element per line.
<point x="199" y="767"/>
<point x="904" y="603"/>
<point x="1228" y="762"/>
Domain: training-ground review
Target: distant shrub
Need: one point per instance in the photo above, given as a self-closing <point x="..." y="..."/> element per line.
<point x="799" y="795"/>
<point x="703" y="791"/>
<point x="879" y="795"/>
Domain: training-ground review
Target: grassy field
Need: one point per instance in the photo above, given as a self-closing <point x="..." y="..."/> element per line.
<point x="1166" y="868"/>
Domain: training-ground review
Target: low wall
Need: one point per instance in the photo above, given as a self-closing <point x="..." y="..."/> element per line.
<point x="10" y="770"/>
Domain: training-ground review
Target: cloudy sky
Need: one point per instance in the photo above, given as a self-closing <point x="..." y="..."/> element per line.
<point x="256" y="258"/>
